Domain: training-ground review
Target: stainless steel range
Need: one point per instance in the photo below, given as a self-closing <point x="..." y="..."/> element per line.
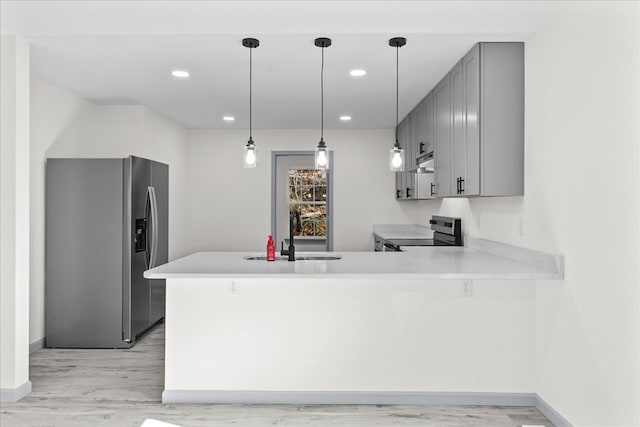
<point x="447" y="232"/>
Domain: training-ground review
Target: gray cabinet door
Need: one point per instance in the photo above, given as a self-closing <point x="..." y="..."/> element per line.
<point x="414" y="136"/>
<point x="429" y="128"/>
<point x="471" y="78"/>
<point x="442" y="126"/>
<point x="421" y="117"/>
<point x="410" y="161"/>
<point x="501" y="119"/>
<point x="458" y="139"/>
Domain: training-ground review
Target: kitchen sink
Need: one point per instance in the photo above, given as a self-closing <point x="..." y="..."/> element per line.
<point x="299" y="258"/>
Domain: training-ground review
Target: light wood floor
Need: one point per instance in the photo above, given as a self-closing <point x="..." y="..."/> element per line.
<point x="123" y="387"/>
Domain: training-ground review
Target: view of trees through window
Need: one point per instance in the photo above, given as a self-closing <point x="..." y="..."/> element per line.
<point x="308" y="194"/>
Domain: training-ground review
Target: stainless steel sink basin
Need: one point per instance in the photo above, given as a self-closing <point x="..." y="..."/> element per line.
<point x="318" y="258"/>
<point x="299" y="258"/>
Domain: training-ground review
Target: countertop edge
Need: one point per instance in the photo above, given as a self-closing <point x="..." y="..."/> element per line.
<point x="377" y="276"/>
<point x="529" y="265"/>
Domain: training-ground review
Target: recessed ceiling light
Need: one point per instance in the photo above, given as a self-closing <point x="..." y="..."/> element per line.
<point x="181" y="74"/>
<point x="228" y="118"/>
<point x="357" y="73"/>
<point x="345" y="118"/>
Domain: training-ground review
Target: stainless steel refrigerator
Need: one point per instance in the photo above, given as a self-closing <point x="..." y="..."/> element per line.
<point x="106" y="223"/>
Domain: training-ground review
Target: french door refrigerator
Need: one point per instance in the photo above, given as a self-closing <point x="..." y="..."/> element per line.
<point x="106" y="223"/>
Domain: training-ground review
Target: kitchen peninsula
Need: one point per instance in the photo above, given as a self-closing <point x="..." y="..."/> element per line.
<point x="369" y="327"/>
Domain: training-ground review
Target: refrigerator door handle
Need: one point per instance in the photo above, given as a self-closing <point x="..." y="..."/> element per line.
<point x="154" y="226"/>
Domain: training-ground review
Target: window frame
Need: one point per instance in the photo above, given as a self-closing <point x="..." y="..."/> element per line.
<point x="274" y="163"/>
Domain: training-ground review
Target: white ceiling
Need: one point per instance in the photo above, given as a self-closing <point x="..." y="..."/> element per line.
<point x="122" y="52"/>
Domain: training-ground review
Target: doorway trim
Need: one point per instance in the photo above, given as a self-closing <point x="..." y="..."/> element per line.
<point x="274" y="164"/>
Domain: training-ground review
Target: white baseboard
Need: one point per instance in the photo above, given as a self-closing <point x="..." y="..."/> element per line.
<point x="553" y="415"/>
<point x="347" y="397"/>
<point x="248" y="397"/>
<point x="12" y="395"/>
<point x="36" y="345"/>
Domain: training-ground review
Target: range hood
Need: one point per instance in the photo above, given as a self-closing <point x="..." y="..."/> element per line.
<point x="424" y="164"/>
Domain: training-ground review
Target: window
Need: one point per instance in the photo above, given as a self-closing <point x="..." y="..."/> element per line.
<point x="308" y="194"/>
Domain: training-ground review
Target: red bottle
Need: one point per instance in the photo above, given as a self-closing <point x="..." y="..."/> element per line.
<point x="271" y="249"/>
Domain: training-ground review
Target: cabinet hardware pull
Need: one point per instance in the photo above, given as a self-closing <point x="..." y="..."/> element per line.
<point x="457" y="185"/>
<point x="461" y="185"/>
<point x="422" y="148"/>
<point x="433" y="193"/>
<point x="408" y="190"/>
<point x="397" y="194"/>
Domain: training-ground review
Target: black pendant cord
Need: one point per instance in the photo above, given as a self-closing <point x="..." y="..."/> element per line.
<point x="250" y="94"/>
<point x="397" y="90"/>
<point x="322" y="98"/>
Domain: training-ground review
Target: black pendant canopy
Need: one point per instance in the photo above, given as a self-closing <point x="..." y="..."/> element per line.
<point x="397" y="42"/>
<point x="323" y="42"/>
<point x="249" y="42"/>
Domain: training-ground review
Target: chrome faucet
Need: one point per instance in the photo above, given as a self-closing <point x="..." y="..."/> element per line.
<point x="294" y="214"/>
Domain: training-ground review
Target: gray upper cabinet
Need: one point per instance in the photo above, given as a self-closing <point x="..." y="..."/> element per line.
<point x="473" y="121"/>
<point x="442" y="132"/>
<point x="500" y="119"/>
<point x="411" y="132"/>
<point x="488" y="121"/>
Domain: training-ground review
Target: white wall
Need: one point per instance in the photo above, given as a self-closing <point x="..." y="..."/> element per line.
<point x="66" y="125"/>
<point x="230" y="207"/>
<point x="14" y="218"/>
<point x="582" y="200"/>
<point x="588" y="329"/>
<point x="167" y="142"/>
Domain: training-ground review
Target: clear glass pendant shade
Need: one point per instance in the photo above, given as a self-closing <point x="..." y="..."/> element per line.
<point x="250" y="156"/>
<point x="322" y="158"/>
<point x="396" y="159"/>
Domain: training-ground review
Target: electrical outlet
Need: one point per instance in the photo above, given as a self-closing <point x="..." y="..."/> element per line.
<point x="467" y="288"/>
<point x="233" y="287"/>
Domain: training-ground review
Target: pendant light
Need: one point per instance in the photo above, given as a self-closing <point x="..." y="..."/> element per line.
<point x="396" y="154"/>
<point x="250" y="157"/>
<point x="322" y="154"/>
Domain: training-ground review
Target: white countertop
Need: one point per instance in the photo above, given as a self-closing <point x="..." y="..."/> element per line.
<point x="417" y="263"/>
<point x="402" y="231"/>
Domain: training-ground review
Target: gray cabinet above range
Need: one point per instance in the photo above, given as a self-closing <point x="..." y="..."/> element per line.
<point x="413" y="131"/>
